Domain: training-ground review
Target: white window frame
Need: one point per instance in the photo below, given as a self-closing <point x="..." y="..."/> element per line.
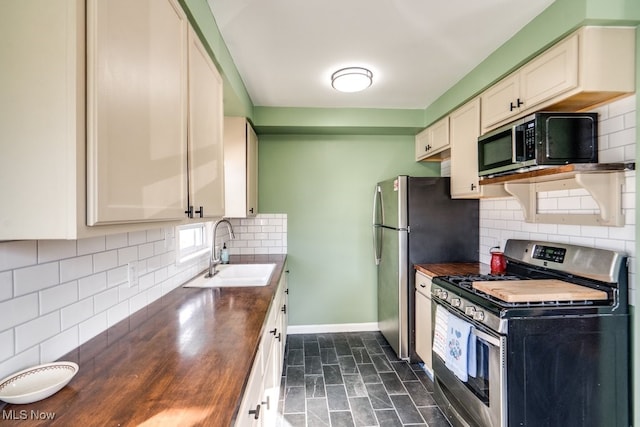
<point x="192" y="241"/>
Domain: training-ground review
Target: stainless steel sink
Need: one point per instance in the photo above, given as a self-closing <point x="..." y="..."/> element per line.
<point x="232" y="275"/>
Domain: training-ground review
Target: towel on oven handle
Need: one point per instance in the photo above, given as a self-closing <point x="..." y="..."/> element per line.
<point x="461" y="348"/>
<point x="440" y="332"/>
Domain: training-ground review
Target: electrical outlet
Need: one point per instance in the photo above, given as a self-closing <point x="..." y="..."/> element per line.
<point x="132" y="274"/>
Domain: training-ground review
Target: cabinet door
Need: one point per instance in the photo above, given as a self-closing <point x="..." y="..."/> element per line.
<point x="250" y="412"/>
<point x="42" y="120"/>
<point x="240" y="168"/>
<point x="252" y="172"/>
<point x="439" y="136"/>
<point x="432" y="140"/>
<point x="465" y="129"/>
<point x="206" y="170"/>
<point x="136" y="101"/>
<point x="422" y="145"/>
<point x="423" y="320"/>
<point x="500" y="101"/>
<point x="550" y="74"/>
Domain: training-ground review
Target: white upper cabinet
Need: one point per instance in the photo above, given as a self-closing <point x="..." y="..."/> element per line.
<point x="42" y="123"/>
<point x="241" y="168"/>
<point x="465" y="129"/>
<point x="432" y="143"/>
<point x="548" y="75"/>
<point x="591" y="66"/>
<point x="206" y="168"/>
<point x="113" y="155"/>
<point x="136" y="111"/>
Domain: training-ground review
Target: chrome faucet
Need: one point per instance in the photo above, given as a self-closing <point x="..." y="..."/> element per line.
<point x="214" y="259"/>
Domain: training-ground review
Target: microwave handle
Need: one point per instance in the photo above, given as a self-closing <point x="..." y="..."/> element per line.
<point x="514" y="139"/>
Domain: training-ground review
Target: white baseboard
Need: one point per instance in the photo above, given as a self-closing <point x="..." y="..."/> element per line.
<point x="325" y="329"/>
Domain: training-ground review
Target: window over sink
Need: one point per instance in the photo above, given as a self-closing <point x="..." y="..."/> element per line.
<point x="192" y="240"/>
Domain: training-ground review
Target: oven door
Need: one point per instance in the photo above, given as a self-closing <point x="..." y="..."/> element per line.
<point x="481" y="401"/>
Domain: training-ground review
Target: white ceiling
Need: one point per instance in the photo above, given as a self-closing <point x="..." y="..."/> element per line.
<point x="286" y="50"/>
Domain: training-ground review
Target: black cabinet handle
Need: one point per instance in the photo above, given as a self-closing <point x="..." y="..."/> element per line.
<point x="267" y="403"/>
<point x="275" y="330"/>
<point x="251" y="210"/>
<point x="189" y="212"/>
<point x="255" y="412"/>
<point x="279" y="337"/>
<point x="473" y="187"/>
<point x="284" y="309"/>
<point x="199" y="211"/>
<point x="517" y="105"/>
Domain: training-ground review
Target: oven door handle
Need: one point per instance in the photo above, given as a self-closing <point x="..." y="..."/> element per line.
<point x="486" y="337"/>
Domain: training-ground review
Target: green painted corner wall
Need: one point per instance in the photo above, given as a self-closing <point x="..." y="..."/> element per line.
<point x="325" y="186"/>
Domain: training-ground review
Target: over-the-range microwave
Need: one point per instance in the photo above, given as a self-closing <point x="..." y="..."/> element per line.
<point x="538" y="140"/>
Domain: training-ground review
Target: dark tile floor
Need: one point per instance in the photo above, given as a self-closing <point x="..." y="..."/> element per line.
<point x="353" y="379"/>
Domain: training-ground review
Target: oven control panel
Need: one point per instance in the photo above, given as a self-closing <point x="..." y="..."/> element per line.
<point x="464" y="308"/>
<point x="549" y="253"/>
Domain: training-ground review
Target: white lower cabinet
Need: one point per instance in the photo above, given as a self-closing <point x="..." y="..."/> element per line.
<point x="424" y="338"/>
<point x="259" y="405"/>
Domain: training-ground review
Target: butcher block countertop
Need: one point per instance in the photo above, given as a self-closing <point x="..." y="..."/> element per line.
<point x="453" y="268"/>
<point x="182" y="360"/>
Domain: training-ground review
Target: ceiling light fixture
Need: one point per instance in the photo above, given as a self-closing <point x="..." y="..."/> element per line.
<point x="351" y="79"/>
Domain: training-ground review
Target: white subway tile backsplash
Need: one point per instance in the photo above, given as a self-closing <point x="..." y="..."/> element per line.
<point x="137" y="237"/>
<point x="18" y="310"/>
<point x="127" y="255"/>
<point x="116" y="241"/>
<point x="6" y="285"/>
<point x="58" y="296"/>
<point x="76" y="313"/>
<point x="59" y="344"/>
<point x="263" y="234"/>
<point x="34" y="278"/>
<point x="75" y="268"/>
<point x="92" y="285"/>
<point x="104" y="261"/>
<point x="155" y="234"/>
<point x="105" y="300"/>
<point x="18" y="254"/>
<point x="54" y="250"/>
<point x="145" y="251"/>
<point x="117" y="276"/>
<point x="7" y="344"/>
<point x="93" y="326"/>
<point x="117" y="313"/>
<point x="620" y="107"/>
<point x="91" y="245"/>
<point x="137" y="302"/>
<point x="37" y="330"/>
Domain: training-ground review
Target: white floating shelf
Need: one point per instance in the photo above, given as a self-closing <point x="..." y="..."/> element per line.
<point x="602" y="181"/>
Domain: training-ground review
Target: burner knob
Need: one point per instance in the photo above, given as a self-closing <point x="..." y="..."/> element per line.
<point x="469" y="311"/>
<point x="478" y="315"/>
<point x="443" y="294"/>
<point x="456" y="302"/>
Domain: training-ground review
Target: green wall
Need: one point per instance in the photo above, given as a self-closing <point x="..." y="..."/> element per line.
<point x="325" y="186"/>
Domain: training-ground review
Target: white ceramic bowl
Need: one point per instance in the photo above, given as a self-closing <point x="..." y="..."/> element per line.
<point x="37" y="383"/>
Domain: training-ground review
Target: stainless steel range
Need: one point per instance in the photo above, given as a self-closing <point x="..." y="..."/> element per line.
<point x="548" y="342"/>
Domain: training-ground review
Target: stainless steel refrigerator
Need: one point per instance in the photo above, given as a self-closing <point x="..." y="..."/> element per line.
<point x="415" y="221"/>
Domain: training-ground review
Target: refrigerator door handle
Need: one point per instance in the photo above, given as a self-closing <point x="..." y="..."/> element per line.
<point x="377" y="240"/>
